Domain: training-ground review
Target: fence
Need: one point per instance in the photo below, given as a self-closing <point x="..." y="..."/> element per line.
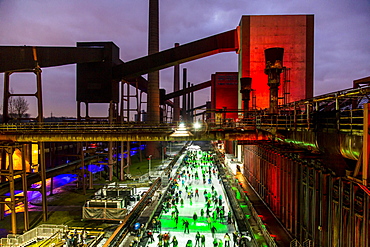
<point x="44" y="231"/>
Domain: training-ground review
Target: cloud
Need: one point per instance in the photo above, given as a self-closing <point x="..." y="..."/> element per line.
<point x="341" y="36"/>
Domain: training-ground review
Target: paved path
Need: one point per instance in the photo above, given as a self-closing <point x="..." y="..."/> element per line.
<point x="194" y="205"/>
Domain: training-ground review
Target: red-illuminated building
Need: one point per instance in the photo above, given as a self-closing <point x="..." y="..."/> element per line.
<point x="293" y="33"/>
<point x="224" y="93"/>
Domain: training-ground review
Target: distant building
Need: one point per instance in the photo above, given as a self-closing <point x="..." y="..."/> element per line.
<point x="224" y="94"/>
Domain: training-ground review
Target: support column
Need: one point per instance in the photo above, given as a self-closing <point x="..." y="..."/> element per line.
<point x="176" y="87"/>
<point x="110" y="145"/>
<point x="188" y="113"/>
<point x="128" y="157"/>
<point x="12" y="202"/>
<point x="6" y="97"/>
<point x="365" y="145"/>
<point x="40" y="111"/>
<point x="184" y="73"/>
<point x="24" y="186"/>
<point x="122" y="163"/>
<point x="78" y="111"/>
<point x="83" y="169"/>
<point x="43" y="180"/>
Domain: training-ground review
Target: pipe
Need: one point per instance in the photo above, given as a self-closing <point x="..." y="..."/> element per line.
<point x="176" y="87"/>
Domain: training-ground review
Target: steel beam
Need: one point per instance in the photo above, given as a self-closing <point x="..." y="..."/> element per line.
<point x="20" y="58"/>
<point x="187" y="90"/>
<point x="223" y="42"/>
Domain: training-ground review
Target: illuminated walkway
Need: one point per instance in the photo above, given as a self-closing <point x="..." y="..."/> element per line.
<point x="195" y="205"/>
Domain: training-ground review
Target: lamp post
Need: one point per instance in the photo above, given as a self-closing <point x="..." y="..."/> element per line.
<point x="150" y="161"/>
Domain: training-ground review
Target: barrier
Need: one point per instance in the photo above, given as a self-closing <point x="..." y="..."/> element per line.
<point x="44" y="231"/>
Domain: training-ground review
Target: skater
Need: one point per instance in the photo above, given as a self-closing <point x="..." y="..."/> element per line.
<point x="174" y="242"/>
<point x="176" y="220"/>
<point x="197" y="239"/>
<point x="150" y="236"/>
<point x="227" y="240"/>
<point x="213" y="231"/>
<point x="186" y="224"/>
<point x="195" y="217"/>
<point x="235" y="237"/>
<point x="203" y="240"/>
<point x="215" y="242"/>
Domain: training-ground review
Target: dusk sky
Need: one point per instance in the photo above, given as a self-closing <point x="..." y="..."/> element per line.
<point x="342" y="39"/>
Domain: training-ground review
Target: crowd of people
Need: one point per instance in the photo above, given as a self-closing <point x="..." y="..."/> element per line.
<point x="75" y="238"/>
<point x="194" y="183"/>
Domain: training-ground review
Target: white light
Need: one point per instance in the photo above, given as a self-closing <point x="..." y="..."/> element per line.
<point x="197" y="125"/>
<point x="181" y="125"/>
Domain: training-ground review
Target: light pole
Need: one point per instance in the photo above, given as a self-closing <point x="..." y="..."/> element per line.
<point x="150" y="161"/>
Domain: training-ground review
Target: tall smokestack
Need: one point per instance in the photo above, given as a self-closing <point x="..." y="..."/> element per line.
<point x="153" y="77"/>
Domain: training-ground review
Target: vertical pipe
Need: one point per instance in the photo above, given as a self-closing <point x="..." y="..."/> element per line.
<point x="6" y="97"/>
<point x="176" y="87"/>
<point x="365" y="145"/>
<point x="78" y="110"/>
<point x="40" y="112"/>
<point x="128" y="156"/>
<point x="365" y="228"/>
<point x="128" y="119"/>
<point x="122" y="163"/>
<point x="2" y="179"/>
<point x="110" y="144"/>
<point x="24" y="187"/>
<point x="87" y="111"/>
<point x="188" y="113"/>
<point x="121" y="102"/>
<point x="91" y="180"/>
<point x="83" y="169"/>
<point x="110" y="160"/>
<point x="43" y="180"/>
<point x="351" y="216"/>
<point x="184" y="79"/>
<point x="340" y="221"/>
<point x="128" y="102"/>
<point x="12" y="192"/>
<point x="192" y="104"/>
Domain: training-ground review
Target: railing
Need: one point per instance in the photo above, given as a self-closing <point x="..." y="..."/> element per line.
<point x="296" y="243"/>
<point x="41" y="232"/>
<point x="82" y="126"/>
<point x="346" y="121"/>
